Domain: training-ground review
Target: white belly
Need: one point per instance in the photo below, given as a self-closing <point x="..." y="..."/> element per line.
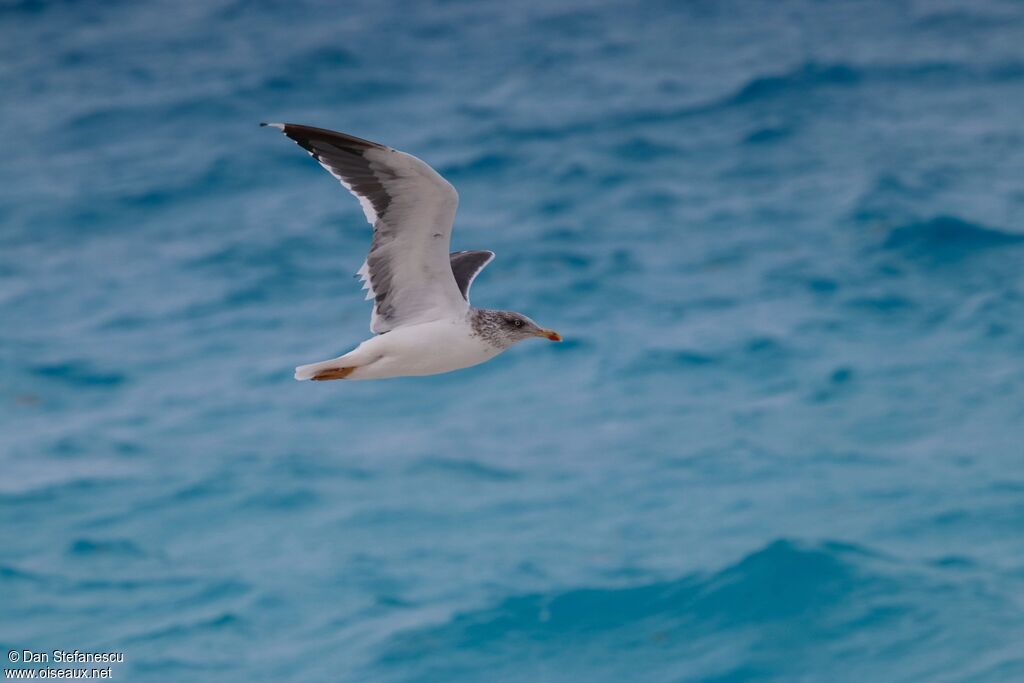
<point x="426" y="349"/>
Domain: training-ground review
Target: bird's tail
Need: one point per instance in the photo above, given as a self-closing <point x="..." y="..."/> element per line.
<point x="341" y="367"/>
<point x="325" y="369"/>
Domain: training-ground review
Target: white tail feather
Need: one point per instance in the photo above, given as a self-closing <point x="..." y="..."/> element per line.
<point x="304" y="372"/>
<point x="364" y="354"/>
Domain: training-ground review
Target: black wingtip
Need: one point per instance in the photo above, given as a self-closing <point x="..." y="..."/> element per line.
<point x="263" y="124"/>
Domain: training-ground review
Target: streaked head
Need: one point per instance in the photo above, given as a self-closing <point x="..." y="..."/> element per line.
<point x="519" y="326"/>
<point x="505" y="328"/>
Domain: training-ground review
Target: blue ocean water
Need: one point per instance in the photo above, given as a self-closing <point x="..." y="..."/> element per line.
<point x="784" y="440"/>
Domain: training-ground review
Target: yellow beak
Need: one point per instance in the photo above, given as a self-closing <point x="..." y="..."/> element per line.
<point x="550" y="334"/>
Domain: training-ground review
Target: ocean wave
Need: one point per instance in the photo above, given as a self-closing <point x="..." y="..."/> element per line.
<point x="91" y="547"/>
<point x="800" y="80"/>
<point x="786" y="600"/>
<point x="481" y="165"/>
<point x="225" y="621"/>
<point x="11" y="574"/>
<point x="282" y="499"/>
<point x="646" y="149"/>
<point x="809" y="76"/>
<point x="803" y="77"/>
<point x="757" y="354"/>
<point x="782" y="582"/>
<point x="467" y="469"/>
<point x="948" y="234"/>
<point x="769" y="134"/>
<point x="79" y="373"/>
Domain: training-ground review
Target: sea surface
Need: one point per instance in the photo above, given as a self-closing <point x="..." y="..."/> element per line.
<point x="784" y="437"/>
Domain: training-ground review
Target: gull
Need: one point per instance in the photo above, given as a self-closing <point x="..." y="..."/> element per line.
<point x="422" y="320"/>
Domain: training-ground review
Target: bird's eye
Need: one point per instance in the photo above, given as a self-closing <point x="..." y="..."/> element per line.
<point x="518" y="323"/>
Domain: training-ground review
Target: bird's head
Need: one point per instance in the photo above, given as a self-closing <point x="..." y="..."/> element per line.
<point x="505" y="328"/>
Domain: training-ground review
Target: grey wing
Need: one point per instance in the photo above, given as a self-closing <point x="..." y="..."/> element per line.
<point x="466" y="265"/>
<point x="407" y="272"/>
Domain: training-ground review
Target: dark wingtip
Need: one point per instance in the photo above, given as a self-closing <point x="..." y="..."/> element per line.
<point x="263" y="124"/>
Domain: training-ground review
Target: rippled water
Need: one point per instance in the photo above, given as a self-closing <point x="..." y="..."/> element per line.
<point x="783" y="439"/>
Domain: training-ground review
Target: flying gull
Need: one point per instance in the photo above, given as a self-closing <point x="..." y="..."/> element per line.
<point x="422" y="320"/>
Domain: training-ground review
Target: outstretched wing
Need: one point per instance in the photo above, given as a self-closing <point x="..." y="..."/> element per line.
<point x="466" y="265"/>
<point x="411" y="209"/>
